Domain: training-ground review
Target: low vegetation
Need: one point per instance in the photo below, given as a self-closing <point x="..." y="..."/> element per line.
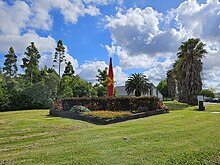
<point x="104" y="114"/>
<point x="183" y="136"/>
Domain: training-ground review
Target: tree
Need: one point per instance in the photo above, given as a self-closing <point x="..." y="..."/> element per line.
<point x="69" y="71"/>
<point x="171" y="84"/>
<point x="59" y="56"/>
<point x="180" y="80"/>
<point x="162" y="87"/>
<point x="102" y="77"/>
<point x="100" y="88"/>
<point x="189" y="68"/>
<point x="207" y="93"/>
<point x="31" y="61"/>
<point x="82" y="88"/>
<point x="4" y="100"/>
<point x="10" y="67"/>
<point x="67" y="86"/>
<point x="137" y="83"/>
<point x="51" y="80"/>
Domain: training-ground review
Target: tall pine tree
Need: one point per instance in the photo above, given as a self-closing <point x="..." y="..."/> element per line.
<point x="59" y="57"/>
<point x="69" y="71"/>
<point x="10" y="67"/>
<point x="31" y="61"/>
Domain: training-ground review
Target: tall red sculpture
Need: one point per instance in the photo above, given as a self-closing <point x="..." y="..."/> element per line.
<point x="110" y="79"/>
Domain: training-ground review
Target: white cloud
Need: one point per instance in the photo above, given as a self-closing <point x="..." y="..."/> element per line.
<point x="111" y="50"/>
<point x="134" y="29"/>
<point x="35" y="14"/>
<point x="158" y="72"/>
<point x="13" y="18"/>
<point x="212" y="79"/>
<point x="20" y="42"/>
<point x="47" y="59"/>
<point x="200" y="20"/>
<point x="89" y="70"/>
<point x="139" y="61"/>
<point x="119" y="76"/>
<point x="71" y="10"/>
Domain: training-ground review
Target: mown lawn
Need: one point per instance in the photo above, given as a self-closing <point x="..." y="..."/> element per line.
<point x="183" y="136"/>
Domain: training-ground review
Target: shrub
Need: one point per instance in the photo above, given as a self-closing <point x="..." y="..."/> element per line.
<point x="79" y="109"/>
<point x="132" y="104"/>
<point x="104" y="114"/>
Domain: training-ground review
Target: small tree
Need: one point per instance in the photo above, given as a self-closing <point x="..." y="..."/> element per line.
<point x="162" y="87"/>
<point x="100" y="88"/>
<point x="207" y="93"/>
<point x="10" y="67"/>
<point x="69" y="71"/>
<point x="59" y="56"/>
<point x="31" y="61"/>
<point x="102" y="77"/>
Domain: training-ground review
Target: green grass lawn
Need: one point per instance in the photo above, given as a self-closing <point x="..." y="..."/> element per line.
<point x="183" y="136"/>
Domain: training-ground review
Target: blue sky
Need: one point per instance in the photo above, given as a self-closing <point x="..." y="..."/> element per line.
<point x="142" y="36"/>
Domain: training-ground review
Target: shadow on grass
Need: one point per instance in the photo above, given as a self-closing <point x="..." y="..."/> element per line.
<point x="12" y="110"/>
<point x="174" y="105"/>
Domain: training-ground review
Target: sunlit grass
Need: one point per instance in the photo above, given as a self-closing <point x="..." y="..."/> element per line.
<point x="183" y="136"/>
<point x="212" y="107"/>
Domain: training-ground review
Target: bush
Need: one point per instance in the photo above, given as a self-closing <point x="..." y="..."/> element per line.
<point x="207" y="93"/>
<point x="79" y="109"/>
<point x="132" y="104"/>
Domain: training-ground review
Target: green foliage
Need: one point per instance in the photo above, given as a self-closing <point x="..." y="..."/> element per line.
<point x="82" y="88"/>
<point x="10" y="67"/>
<point x="74" y="86"/>
<point x="137" y="83"/>
<point x="102" y="77"/>
<point x="14" y="88"/>
<point x="39" y="95"/>
<point x="100" y="88"/>
<point x="4" y="100"/>
<point x="59" y="56"/>
<point x="207" y="93"/>
<point x="69" y="71"/>
<point x="31" y="61"/>
<point x="132" y="104"/>
<point x="162" y="87"/>
<point x="79" y="109"/>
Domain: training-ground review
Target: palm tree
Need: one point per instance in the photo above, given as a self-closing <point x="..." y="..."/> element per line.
<point x="171" y="84"/>
<point x="190" y="67"/>
<point x="180" y="75"/>
<point x="137" y="83"/>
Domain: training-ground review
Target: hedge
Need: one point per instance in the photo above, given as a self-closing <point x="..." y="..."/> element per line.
<point x="132" y="104"/>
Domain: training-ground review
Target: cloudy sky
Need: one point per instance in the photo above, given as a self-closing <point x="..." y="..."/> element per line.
<point x="142" y="36"/>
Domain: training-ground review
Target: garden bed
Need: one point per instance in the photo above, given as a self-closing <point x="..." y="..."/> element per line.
<point x="71" y="115"/>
